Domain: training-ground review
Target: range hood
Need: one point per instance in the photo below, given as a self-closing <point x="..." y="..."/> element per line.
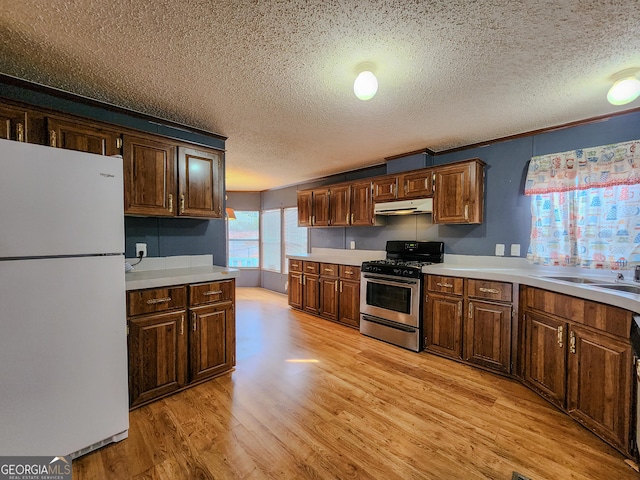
<point x="404" y="207"/>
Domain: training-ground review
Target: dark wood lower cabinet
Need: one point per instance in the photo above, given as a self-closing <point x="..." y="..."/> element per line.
<point x="311" y="293"/>
<point x="295" y="289"/>
<point x="545" y="356"/>
<point x="487" y="335"/>
<point x="170" y="350"/>
<point x="443" y="325"/>
<point x="349" y="303"/>
<point x="329" y="297"/>
<point x="157" y="356"/>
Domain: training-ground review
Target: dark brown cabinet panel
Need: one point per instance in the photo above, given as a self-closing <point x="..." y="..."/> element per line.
<point x="339" y="204"/>
<point x="311" y="287"/>
<point x="459" y="193"/>
<point x="13" y="123"/>
<point x="295" y="291"/>
<point x="200" y="183"/>
<point x="443" y="325"/>
<point x="75" y="135"/>
<point x="349" y="303"/>
<point x="545" y="354"/>
<point x="385" y="188"/>
<point x="157" y="356"/>
<point x="149" y="176"/>
<point x="361" y="205"/>
<point x="320" y="210"/>
<point x="212" y="340"/>
<point x="329" y="297"/>
<point x="416" y="185"/>
<point x="487" y="335"/>
<point x="599" y="385"/>
<point x="305" y="207"/>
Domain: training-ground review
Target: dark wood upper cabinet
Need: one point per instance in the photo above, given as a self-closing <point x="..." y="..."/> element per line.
<point x="416" y="185"/>
<point x="200" y="183"/>
<point x="13" y="123"/>
<point x="459" y="192"/>
<point x="320" y="210"/>
<point x="84" y="137"/>
<point x="361" y="205"/>
<point x="385" y="188"/>
<point x="149" y="176"/>
<point x="305" y="207"/>
<point x="339" y="205"/>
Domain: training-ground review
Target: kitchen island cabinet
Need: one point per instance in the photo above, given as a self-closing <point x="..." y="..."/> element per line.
<point x="179" y="336"/>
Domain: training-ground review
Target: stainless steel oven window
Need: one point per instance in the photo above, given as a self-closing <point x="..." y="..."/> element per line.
<point x="389" y="297"/>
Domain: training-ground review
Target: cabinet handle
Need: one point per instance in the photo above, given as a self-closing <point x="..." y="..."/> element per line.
<point x="194" y="326"/>
<point x="460" y="309"/>
<point x="213" y="292"/>
<point x="376" y="189"/>
<point x="52" y="138"/>
<point x="352" y="219"/>
<point x="181" y="324"/>
<point x="328" y="270"/>
<point x="346" y="218"/>
<point x="445" y="285"/>
<point x="118" y="143"/>
<point x="471" y="310"/>
<point x="336" y="285"/>
<point x="426" y="183"/>
<point x="560" y="330"/>
<point x="182" y="203"/>
<point x="304" y="280"/>
<point x="466" y="212"/>
<point x="572" y="342"/>
<point x="489" y="290"/>
<point x="300" y="280"/>
<point x="309" y="219"/>
<point x="171" y="203"/>
<point x="153" y="301"/>
<point x="393" y="187"/>
<point x="340" y="286"/>
<point x="20" y="132"/>
<point x="313" y="220"/>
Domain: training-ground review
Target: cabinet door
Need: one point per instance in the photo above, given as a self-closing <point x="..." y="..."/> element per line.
<point x="13" y="123"/>
<point x="295" y="289"/>
<point x="487" y="335"/>
<point x="212" y="337"/>
<point x="443" y="325"/>
<point x="157" y="356"/>
<point x="200" y="187"/>
<point x="361" y="204"/>
<point x="149" y="177"/>
<point x="311" y="293"/>
<point x="416" y="185"/>
<point x="320" y="209"/>
<point x="545" y="356"/>
<point x="600" y="384"/>
<point x="339" y="205"/>
<point x="329" y="297"/>
<point x="459" y="193"/>
<point x="385" y="188"/>
<point x="304" y="208"/>
<point x="83" y="137"/>
<point x="349" y="303"/>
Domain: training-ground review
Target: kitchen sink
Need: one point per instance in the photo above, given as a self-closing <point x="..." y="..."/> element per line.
<point x="573" y="279"/>
<point x="622" y="288"/>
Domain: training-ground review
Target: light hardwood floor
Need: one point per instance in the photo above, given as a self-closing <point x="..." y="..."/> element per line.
<point x="311" y="399"/>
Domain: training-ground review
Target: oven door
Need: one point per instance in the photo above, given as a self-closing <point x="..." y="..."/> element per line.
<point x="392" y="298"/>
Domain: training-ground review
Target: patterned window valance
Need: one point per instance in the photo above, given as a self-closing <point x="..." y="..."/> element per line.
<point x="595" y="167"/>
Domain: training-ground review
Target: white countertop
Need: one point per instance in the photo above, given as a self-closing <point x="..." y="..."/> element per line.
<point x="177" y="276"/>
<point x="504" y="269"/>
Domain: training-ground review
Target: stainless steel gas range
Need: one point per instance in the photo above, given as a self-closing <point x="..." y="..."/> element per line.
<point x="391" y="293"/>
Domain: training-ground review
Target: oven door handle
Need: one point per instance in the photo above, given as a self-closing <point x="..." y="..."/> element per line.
<point x="390" y="324"/>
<point x="386" y="281"/>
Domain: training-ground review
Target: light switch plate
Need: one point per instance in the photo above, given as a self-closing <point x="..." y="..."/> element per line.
<point x="500" y="249"/>
<point x="515" y="249"/>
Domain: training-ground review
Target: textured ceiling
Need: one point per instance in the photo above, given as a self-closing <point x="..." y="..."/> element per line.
<point x="276" y="76"/>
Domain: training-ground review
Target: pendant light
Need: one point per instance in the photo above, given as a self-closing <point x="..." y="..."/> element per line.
<point x="625" y="89"/>
<point x="366" y="84"/>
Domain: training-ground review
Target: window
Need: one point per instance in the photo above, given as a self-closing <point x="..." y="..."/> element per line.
<point x="296" y="238"/>
<point x="271" y="240"/>
<point x="585" y="207"/>
<point x="244" y="240"/>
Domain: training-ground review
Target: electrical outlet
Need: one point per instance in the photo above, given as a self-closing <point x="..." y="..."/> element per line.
<point x="500" y="249"/>
<point x="141" y="248"/>
<point x="515" y="249"/>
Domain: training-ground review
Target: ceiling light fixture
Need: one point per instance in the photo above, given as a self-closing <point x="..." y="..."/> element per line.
<point x="366" y="83"/>
<point x="626" y="87"/>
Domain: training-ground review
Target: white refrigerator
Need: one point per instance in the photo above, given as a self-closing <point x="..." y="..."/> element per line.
<point x="63" y="347"/>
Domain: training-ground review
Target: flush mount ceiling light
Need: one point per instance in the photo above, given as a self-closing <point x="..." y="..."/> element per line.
<point x="626" y="87"/>
<point x="366" y="83"/>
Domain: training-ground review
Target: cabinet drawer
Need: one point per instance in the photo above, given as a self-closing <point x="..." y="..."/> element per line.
<point x="311" y="268"/>
<point x="329" y="269"/>
<point x="295" y="265"/>
<point x="155" y="300"/>
<point x="489" y="290"/>
<point x="212" y="292"/>
<point x="349" y="272"/>
<point x="437" y="283"/>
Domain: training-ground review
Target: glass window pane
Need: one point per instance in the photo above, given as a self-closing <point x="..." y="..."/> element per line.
<point x="271" y="237"/>
<point x="244" y="243"/>
<point x="295" y="237"/>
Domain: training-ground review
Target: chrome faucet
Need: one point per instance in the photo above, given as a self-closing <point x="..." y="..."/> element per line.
<point x="619" y="277"/>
